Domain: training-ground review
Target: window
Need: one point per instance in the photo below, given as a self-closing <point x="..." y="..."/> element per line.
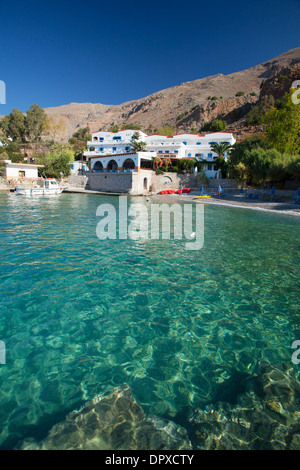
<point x="209" y="155"/>
<point x="184" y="143"/>
<point x="114" y="149"/>
<point x="209" y="167"/>
<point x="198" y="143"/>
<point x="22" y="174"/>
<point x="117" y="138"/>
<point x="101" y="139"/>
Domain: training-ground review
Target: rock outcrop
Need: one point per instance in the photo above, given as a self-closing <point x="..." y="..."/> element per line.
<point x="266" y="417"/>
<point x="113" y="422"/>
<point x="262" y="414"/>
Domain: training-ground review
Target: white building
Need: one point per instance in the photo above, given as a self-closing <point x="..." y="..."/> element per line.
<point x="112" y="151"/>
<point x="77" y="166"/>
<point x="21" y="170"/>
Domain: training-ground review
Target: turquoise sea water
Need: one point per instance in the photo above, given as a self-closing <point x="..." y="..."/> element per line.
<point x="80" y="316"/>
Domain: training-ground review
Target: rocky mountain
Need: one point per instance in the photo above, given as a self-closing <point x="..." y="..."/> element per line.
<point x="189" y="105"/>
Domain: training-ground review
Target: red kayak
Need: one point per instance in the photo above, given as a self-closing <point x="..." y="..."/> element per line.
<point x="169" y="191"/>
<point x="183" y="191"/>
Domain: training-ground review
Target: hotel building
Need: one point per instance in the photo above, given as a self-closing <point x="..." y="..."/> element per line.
<point x="112" y="152"/>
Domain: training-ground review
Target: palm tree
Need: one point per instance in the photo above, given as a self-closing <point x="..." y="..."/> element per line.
<point x="221" y="149"/>
<point x="138" y="146"/>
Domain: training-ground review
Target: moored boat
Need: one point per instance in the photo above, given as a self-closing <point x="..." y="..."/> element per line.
<point x="51" y="187"/>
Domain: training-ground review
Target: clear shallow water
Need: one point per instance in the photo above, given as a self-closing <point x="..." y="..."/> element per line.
<point x="80" y="316"/>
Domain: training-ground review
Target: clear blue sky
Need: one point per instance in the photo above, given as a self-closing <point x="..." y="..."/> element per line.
<point x="110" y="52"/>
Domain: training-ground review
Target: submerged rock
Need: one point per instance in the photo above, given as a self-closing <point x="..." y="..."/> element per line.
<point x="268" y="420"/>
<point x="114" y="422"/>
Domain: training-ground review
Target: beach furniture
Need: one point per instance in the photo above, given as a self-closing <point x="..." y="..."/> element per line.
<point x="220" y="192"/>
<point x="297" y="196"/>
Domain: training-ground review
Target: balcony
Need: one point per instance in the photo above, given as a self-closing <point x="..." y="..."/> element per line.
<point x="109" y="142"/>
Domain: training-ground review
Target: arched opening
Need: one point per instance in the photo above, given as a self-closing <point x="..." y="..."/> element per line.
<point x="146" y="184"/>
<point x="98" y="166"/>
<point x="128" y="164"/>
<point x="112" y="165"/>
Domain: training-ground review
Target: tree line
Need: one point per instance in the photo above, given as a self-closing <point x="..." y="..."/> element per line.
<point x="34" y="136"/>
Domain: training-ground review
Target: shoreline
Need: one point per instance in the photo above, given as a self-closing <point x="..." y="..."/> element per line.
<point x="239" y="202"/>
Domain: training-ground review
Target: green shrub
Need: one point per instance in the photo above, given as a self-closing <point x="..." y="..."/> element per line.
<point x="257" y="113"/>
<point x="240" y="93"/>
<point x="217" y="125"/>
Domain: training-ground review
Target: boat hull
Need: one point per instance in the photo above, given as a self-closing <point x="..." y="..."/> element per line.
<point x="39" y="191"/>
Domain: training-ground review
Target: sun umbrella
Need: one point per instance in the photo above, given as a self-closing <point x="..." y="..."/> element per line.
<point x="219" y="189"/>
<point x="272" y="192"/>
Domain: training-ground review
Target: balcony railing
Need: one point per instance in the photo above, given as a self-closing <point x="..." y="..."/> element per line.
<point x="109" y="142"/>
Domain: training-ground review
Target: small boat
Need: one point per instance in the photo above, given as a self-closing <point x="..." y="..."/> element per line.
<point x="204" y="196"/>
<point x="168" y="191"/>
<point x="51" y="187"/>
<point x="183" y="191"/>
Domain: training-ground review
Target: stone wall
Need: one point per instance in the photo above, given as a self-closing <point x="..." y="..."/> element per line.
<point x="224" y="183"/>
<point x="142" y="183"/>
<point x="173" y="181"/>
<point x="77" y="181"/>
<point x="110" y="182"/>
<point x="12" y="183"/>
<point x="3" y="186"/>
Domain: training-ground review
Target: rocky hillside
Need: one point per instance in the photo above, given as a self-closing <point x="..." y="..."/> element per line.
<point x="187" y="106"/>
